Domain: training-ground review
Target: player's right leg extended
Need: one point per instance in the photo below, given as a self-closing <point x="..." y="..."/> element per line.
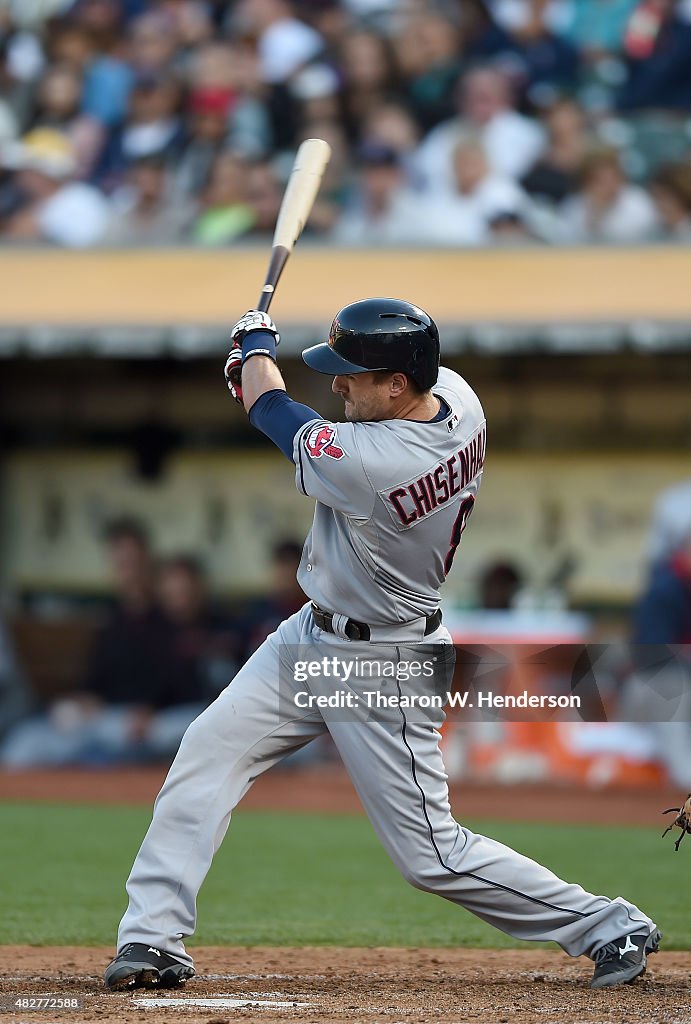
<point x="252" y="725"/>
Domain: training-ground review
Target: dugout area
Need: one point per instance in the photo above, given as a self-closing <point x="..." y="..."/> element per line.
<point x="89" y="438"/>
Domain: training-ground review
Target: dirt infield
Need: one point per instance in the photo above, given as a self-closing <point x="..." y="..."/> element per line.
<point x="328" y="789"/>
<point x="351" y="985"/>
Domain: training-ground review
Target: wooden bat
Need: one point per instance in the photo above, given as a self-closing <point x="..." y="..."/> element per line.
<point x="298" y="200"/>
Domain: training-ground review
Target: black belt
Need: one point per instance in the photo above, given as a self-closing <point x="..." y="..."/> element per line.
<point x="360" y="630"/>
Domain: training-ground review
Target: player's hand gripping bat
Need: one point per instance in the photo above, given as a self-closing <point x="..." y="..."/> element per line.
<point x="298" y="200"/>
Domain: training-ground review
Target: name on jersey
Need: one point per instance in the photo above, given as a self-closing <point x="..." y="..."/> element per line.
<point x="423" y="496"/>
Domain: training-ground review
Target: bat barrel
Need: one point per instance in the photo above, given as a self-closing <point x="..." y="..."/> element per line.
<point x="301" y="191"/>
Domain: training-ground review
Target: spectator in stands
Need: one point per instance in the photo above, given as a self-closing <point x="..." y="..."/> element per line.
<point x="608" y="208"/>
<point x="213" y="73"/>
<point x="285" y="597"/>
<point x="657" y="46"/>
<point x="499" y="585"/>
<point x="670" y="522"/>
<point x="528" y="38"/>
<point x="316" y="91"/>
<point x="512" y="141"/>
<point x="226" y="213"/>
<point x="251" y="125"/>
<point x="153" y="128"/>
<point x="206" y="136"/>
<point x="659" y="694"/>
<point x="383" y="210"/>
<point x="143" y="211"/>
<point x="670" y="188"/>
<point x="153" y="44"/>
<point x="285" y="43"/>
<point x="264" y="195"/>
<point x="187" y="80"/>
<point x="370" y="77"/>
<point x="428" y="52"/>
<point x="207" y="643"/>
<point x="479" y="195"/>
<point x="106" y="77"/>
<point x="49" y="206"/>
<point x="193" y="28"/>
<point x="129" y="704"/>
<point x="57" y="99"/>
<point x="392" y="126"/>
<point x="663" y="615"/>
<point x="556" y="173"/>
<point x="58" y="104"/>
<point x="225" y="107"/>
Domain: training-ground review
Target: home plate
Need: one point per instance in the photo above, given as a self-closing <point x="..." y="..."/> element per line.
<point x="216" y="1002"/>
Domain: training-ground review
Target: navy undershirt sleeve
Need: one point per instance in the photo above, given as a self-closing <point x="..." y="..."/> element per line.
<point x="280" y="417"/>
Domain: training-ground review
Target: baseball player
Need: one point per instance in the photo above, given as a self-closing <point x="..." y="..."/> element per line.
<point x="394" y="487"/>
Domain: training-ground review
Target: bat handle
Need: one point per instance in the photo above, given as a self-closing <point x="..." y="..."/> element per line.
<point x="279" y="257"/>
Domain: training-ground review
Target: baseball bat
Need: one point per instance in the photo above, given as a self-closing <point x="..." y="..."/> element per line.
<point x="298" y="200"/>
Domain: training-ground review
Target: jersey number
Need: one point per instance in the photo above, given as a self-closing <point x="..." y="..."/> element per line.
<point x="458" y="528"/>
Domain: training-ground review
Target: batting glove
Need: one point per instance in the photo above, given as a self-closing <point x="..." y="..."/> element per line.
<point x="233" y="373"/>
<point x="253" y="320"/>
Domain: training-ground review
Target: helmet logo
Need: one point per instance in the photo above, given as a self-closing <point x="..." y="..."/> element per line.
<point x="335" y="328"/>
<point x="320" y="441"/>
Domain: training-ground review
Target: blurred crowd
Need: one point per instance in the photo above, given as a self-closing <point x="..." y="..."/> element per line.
<point x="452" y="122"/>
<point x="164" y="652"/>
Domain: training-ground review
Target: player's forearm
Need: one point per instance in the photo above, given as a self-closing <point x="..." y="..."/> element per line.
<point x="259" y="375"/>
<point x="264" y="393"/>
<point x="280" y="418"/>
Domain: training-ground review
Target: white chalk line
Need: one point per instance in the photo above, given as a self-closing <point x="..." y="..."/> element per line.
<point x="219" y="1002"/>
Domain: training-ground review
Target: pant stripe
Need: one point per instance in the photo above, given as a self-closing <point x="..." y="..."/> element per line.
<point x="447" y="867"/>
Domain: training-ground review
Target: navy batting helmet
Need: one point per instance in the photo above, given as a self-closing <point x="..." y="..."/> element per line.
<point x="380" y="334"/>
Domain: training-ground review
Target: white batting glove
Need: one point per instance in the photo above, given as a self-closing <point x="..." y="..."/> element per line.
<point x="233" y="373"/>
<point x="253" y="320"/>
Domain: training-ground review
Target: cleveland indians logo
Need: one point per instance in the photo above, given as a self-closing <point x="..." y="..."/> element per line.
<point x="319" y="441"/>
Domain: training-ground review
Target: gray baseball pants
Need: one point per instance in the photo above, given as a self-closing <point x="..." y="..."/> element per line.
<point x="395" y="763"/>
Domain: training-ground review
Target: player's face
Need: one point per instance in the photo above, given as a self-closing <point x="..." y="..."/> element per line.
<point x="366" y="397"/>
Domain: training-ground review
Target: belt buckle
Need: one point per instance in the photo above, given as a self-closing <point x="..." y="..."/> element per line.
<point x="353" y="631"/>
<point x="320" y="618"/>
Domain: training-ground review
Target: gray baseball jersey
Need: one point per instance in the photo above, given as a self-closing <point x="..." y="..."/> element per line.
<point x="393" y="498"/>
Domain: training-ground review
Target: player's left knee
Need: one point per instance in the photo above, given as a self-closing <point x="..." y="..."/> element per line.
<point x="424" y="874"/>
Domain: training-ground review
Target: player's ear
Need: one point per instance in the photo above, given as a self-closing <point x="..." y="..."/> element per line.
<point x="397" y="384"/>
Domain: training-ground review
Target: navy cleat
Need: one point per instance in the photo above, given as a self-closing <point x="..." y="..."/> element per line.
<point x="621" y="962"/>
<point x="142" y="966"/>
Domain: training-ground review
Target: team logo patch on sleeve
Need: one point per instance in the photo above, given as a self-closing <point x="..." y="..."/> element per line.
<point x="320" y="441"/>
